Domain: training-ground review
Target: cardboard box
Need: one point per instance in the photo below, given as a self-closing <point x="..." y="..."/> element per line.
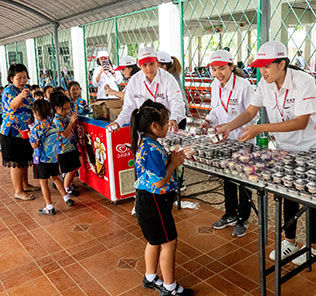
<point x="114" y="113"/>
<point x="100" y="109"/>
<point x="114" y="103"/>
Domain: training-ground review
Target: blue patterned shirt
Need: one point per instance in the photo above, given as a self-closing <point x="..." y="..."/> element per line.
<point x="80" y="106"/>
<point x="66" y="144"/>
<point x="45" y="135"/>
<point x="151" y="166"/>
<point x="18" y="119"/>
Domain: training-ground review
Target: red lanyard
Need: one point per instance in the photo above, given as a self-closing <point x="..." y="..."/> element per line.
<point x="277" y="104"/>
<point x="154" y="96"/>
<point x="229" y="97"/>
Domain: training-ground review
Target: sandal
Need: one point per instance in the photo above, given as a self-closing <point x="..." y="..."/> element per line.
<point x="46" y="211"/>
<point x="24" y="197"/>
<point x="32" y="188"/>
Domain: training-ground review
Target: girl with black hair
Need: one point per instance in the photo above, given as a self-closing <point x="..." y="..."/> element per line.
<point x="231" y="95"/>
<point x="104" y="74"/>
<point x="77" y="104"/>
<point x="288" y="94"/>
<point x="44" y="141"/>
<point x="17" y="115"/>
<point x="68" y="154"/>
<point x="128" y="68"/>
<point x="155" y="192"/>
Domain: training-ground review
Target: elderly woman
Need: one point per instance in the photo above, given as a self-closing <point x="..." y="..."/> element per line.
<point x="104" y="75"/>
<point x="16" y="149"/>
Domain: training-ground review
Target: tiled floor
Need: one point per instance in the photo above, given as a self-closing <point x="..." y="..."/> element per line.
<point x="96" y="248"/>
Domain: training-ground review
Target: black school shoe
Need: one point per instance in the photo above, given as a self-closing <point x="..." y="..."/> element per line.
<point x="185" y="292"/>
<point x="70" y="202"/>
<point x="45" y="211"/>
<point x="152" y="285"/>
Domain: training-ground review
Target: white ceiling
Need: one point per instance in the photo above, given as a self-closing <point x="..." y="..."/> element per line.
<point x="20" y="23"/>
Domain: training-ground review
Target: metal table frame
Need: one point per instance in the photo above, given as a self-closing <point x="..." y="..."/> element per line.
<point x="279" y="193"/>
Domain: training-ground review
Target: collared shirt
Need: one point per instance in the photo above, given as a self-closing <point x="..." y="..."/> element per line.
<point x="151" y="166"/>
<point x="296" y="97"/>
<point x="66" y="144"/>
<point x="45" y="135"/>
<point x="168" y="94"/>
<point x="238" y="103"/>
<point x="80" y="106"/>
<point x="15" y="119"/>
<point x="106" y="78"/>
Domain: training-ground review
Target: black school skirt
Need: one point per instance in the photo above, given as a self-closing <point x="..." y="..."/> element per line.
<point x="154" y="215"/>
<point x="16" y="152"/>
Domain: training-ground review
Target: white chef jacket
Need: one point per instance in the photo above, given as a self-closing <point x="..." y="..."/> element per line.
<point x="106" y="78"/>
<point x="296" y="97"/>
<point x="238" y="103"/>
<point x="167" y="92"/>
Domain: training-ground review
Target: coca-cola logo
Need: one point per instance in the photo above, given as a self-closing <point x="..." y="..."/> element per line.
<point x="122" y="148"/>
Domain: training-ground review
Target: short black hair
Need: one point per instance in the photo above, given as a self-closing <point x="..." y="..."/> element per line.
<point x="34" y="86"/>
<point x="15" y="69"/>
<point x="42" y="108"/>
<point x="46" y="88"/>
<point x="59" y="88"/>
<point x="58" y="99"/>
<point x="72" y="83"/>
<point x="38" y="93"/>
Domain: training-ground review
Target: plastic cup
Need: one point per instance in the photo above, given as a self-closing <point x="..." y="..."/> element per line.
<point x="25" y="134"/>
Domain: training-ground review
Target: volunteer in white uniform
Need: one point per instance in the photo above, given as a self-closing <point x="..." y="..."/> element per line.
<point x="104" y="74"/>
<point x="230" y="96"/>
<point x="289" y="97"/>
<point x="155" y="84"/>
<point x="128" y="68"/>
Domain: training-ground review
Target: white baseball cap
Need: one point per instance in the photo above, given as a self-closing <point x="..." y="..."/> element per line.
<point x="103" y="53"/>
<point x="269" y="52"/>
<point x="146" y="55"/>
<point x="126" y="62"/>
<point x="163" y="57"/>
<point x="220" y="58"/>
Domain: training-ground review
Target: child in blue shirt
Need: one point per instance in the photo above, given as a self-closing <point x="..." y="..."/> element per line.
<point x="77" y="104"/>
<point x="44" y="141"/>
<point x="155" y="192"/>
<point x="68" y="154"/>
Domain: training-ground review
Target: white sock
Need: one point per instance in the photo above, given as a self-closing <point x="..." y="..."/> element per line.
<point x="49" y="206"/>
<point x="170" y="287"/>
<point x="66" y="197"/>
<point x="67" y="188"/>
<point x="151" y="277"/>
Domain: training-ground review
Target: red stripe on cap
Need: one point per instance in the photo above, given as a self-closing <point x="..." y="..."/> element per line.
<point x="261" y="63"/>
<point x="147" y="60"/>
<point x="217" y="63"/>
<point x="119" y="68"/>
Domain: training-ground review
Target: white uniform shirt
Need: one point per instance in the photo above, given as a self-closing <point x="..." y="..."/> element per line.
<point x="296" y="97"/>
<point x="239" y="102"/>
<point x="168" y="94"/>
<point x="106" y="78"/>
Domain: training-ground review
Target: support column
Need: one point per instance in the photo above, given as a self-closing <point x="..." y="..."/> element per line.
<point x="3" y="66"/>
<point x="308" y="45"/>
<point x="79" y="62"/>
<point x="169" y="29"/>
<point x="31" y="61"/>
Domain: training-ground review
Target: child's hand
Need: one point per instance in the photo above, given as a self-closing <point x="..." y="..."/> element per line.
<point x="24" y="93"/>
<point x="177" y="158"/>
<point x="73" y="117"/>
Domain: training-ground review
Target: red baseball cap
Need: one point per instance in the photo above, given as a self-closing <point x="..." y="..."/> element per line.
<point x="146" y="55"/>
<point x="220" y="58"/>
<point x="269" y="52"/>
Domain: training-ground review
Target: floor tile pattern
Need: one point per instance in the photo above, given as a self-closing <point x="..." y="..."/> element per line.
<point x="97" y="248"/>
